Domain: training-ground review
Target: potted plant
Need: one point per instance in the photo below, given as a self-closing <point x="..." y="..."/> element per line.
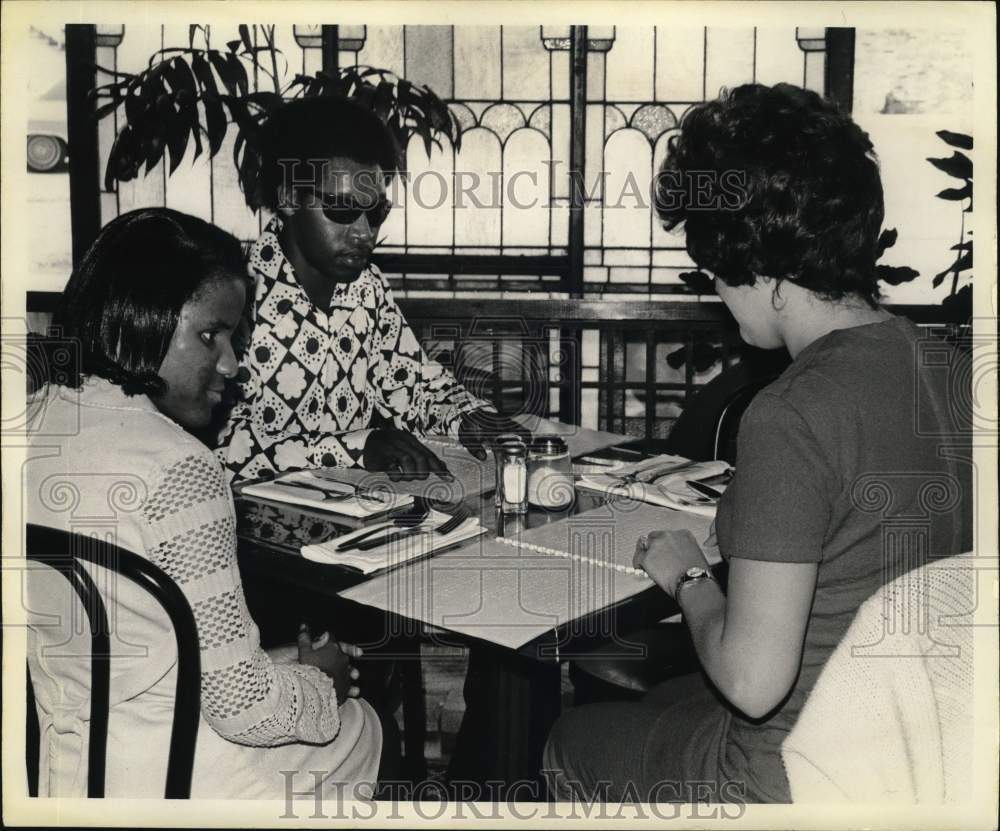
<point x="194" y="95"/>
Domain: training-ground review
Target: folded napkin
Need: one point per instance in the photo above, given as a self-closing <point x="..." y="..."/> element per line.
<point x="304" y="488"/>
<point x="419" y="544"/>
<point x="654" y="483"/>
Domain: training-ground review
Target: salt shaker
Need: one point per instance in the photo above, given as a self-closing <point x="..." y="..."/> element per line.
<point x="514" y="477"/>
<point x="498" y="443"/>
<point x="550" y="473"/>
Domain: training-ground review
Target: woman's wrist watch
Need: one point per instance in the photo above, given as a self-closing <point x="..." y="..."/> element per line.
<point x="695" y="574"/>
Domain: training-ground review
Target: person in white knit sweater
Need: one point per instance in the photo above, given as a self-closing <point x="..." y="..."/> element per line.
<point x="153" y="307"/>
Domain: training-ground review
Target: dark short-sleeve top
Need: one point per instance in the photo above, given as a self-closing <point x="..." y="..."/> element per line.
<point x="857" y="459"/>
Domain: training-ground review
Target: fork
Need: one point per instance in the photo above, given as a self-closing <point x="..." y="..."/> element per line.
<point x="460" y="515"/>
<point x="406" y="520"/>
<point x="651" y="474"/>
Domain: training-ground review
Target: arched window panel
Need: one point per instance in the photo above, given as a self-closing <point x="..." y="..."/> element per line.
<point x="680" y="63"/>
<point x="729" y="58"/>
<point x="429" y="58"/>
<point x="779" y="58"/>
<point x="628" y="162"/>
<point x="429" y="195"/>
<point x="478" y="63"/>
<point x="630" y="64"/>
<point x="503" y="119"/>
<point x="478" y="176"/>
<point x="526" y="193"/>
<point x="525" y="64"/>
<point x="383" y="48"/>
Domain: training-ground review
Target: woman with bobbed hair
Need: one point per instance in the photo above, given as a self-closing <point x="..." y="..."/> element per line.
<point x="781" y="202"/>
<point x="151" y="312"/>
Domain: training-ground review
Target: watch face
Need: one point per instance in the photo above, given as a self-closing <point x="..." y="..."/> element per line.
<point x="695" y="571"/>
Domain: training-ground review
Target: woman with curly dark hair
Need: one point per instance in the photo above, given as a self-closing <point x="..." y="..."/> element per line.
<point x="780" y="198"/>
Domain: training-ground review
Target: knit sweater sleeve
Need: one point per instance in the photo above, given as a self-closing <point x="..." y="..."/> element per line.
<point x="190" y="530"/>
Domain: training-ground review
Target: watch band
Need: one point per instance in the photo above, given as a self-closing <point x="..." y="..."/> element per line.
<point x="695" y="574"/>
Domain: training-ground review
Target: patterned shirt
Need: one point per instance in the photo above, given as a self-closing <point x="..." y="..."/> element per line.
<point x="311" y="379"/>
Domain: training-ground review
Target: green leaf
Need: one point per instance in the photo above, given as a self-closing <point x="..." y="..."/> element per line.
<point x="895" y="275"/>
<point x="956" y="194"/>
<point x="958" y="165"/>
<point x="120" y="159"/>
<point x="245" y="37"/>
<point x="225" y="72"/>
<point x="178" y="133"/>
<point x="180" y="77"/>
<point x="958" y="306"/>
<point x="886" y="240"/>
<point x="106" y="109"/>
<point x="240" y="73"/>
<point x="960" y="140"/>
<point x="215" y="123"/>
<point x="961" y="264"/>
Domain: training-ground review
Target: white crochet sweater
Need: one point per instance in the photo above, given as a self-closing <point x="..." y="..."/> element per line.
<point x="890" y="718"/>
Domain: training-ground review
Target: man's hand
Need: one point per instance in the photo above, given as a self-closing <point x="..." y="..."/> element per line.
<point x="401" y="456"/>
<point x="666" y="555"/>
<point x="480" y="428"/>
<point x="332" y="658"/>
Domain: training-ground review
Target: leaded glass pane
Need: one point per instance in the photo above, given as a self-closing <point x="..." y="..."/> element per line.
<point x="477" y="54"/>
<point x="525" y="194"/>
<point x="525" y="64"/>
<point x="630" y="72"/>
<point x="429" y="58"/>
<point x="778" y="57"/>
<point x="680" y="63"/>
<point x="383" y="48"/>
<point x="729" y="58"/>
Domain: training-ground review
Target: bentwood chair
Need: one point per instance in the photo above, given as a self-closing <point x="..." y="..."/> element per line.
<point x="65" y="552"/>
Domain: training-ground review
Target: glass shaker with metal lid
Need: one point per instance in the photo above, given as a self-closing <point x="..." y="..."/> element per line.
<point x="512" y="466"/>
<point x="550" y="473"/>
<point x="498" y="443"/>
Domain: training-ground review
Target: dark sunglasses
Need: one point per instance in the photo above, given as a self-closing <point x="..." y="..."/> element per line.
<point x="346" y="211"/>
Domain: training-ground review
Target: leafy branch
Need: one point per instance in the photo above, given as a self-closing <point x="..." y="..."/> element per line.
<point x="958" y="166"/>
<point x="194" y="95"/>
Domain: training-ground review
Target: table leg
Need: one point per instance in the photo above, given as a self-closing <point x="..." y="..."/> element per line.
<point x="511" y="703"/>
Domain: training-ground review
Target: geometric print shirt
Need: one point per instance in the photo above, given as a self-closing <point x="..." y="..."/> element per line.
<point x="310" y="379"/>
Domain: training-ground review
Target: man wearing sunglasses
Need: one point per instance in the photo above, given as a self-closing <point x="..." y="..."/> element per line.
<point x="329" y="347"/>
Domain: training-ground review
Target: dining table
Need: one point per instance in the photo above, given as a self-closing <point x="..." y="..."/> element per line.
<point x="513" y="695"/>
